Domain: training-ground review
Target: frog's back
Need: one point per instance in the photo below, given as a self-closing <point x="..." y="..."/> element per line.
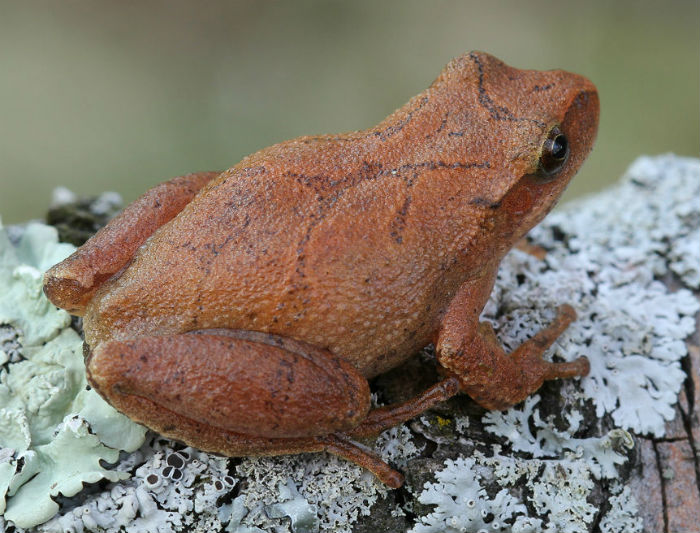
<point x="290" y="243"/>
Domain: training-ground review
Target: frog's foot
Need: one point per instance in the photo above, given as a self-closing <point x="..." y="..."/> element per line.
<point x="238" y="393"/>
<point x="497" y="380"/>
<point x="71" y="283"/>
<point x="343" y="446"/>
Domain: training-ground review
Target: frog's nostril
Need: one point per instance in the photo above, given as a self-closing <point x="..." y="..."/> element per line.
<point x="582" y="99"/>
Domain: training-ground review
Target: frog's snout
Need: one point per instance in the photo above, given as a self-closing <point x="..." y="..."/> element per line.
<point x="587" y="100"/>
<point x="581" y="118"/>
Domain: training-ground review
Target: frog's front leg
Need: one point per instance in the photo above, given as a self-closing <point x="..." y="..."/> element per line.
<point x="470" y="351"/>
<point x="238" y="393"/>
<point x="71" y="283"/>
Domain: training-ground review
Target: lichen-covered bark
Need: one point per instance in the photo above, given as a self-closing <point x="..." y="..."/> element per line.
<point x="598" y="455"/>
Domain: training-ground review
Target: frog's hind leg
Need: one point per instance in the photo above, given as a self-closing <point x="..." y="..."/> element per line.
<point x="388" y="416"/>
<point x="71" y="283"/>
<point x="238" y="393"/>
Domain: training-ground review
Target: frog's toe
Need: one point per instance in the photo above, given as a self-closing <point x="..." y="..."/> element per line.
<point x="571" y="369"/>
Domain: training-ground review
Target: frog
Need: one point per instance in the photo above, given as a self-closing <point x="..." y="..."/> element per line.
<point x="243" y="312"/>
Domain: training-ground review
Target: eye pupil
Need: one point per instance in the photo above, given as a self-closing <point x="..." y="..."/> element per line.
<point x="560" y="147"/>
<point x="555" y="152"/>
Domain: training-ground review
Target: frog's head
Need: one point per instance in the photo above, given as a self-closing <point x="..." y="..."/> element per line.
<point x="535" y="129"/>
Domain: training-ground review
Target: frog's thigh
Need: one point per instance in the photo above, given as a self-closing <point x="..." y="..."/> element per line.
<point x="243" y="382"/>
<point x="71" y="283"/>
<point x="239" y="393"/>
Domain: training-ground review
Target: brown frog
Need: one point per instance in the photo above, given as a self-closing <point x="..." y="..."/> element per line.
<point x="242" y="312"/>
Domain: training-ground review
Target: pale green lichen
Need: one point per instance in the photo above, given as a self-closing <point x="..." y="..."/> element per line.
<point x="560" y="493"/>
<point x="62" y="466"/>
<point x="54" y="433"/>
<point x="22" y="267"/>
<point x="37" y="392"/>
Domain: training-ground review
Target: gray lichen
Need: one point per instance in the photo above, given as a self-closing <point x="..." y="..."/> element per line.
<point x="77" y="219"/>
<point x="605" y="255"/>
<point x="523" y="470"/>
<point x="556" y="474"/>
<point x="462" y="504"/>
<point x="614" y="249"/>
<point x="600" y="454"/>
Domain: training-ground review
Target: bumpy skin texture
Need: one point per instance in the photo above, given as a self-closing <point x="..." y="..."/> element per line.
<point x="346" y="254"/>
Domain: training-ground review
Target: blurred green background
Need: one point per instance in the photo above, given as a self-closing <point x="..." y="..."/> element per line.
<point x="121" y="95"/>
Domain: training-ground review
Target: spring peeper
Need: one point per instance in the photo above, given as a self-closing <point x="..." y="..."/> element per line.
<point x="243" y="311"/>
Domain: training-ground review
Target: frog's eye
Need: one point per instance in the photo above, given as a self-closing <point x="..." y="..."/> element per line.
<point x="555" y="152"/>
